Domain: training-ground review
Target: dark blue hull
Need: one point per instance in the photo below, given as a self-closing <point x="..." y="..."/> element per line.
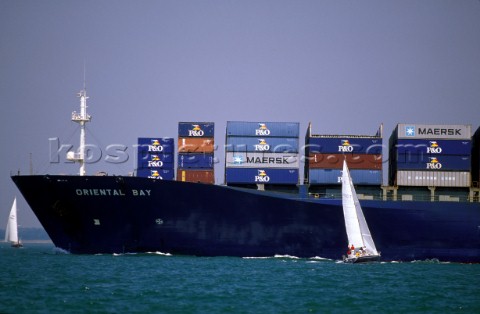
<point x="129" y="214"/>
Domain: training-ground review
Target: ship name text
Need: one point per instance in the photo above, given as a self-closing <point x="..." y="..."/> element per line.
<point x="112" y="192"/>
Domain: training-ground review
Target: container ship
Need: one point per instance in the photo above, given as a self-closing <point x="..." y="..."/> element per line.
<point x="430" y="208"/>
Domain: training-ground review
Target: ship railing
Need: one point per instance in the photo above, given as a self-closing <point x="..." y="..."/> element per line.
<point x="400" y="197"/>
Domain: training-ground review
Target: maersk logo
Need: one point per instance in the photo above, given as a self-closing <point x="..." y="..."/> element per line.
<point x="410" y="131"/>
<point x="237" y="160"/>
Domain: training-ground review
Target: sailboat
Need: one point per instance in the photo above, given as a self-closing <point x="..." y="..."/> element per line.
<point x="11" y="233"/>
<point x="361" y="246"/>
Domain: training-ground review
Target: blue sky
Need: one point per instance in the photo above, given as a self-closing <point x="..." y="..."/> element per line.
<point x="346" y="66"/>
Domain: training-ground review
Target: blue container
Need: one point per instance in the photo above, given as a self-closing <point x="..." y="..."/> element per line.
<point x="429" y="162"/>
<point x="261" y="176"/>
<point x="433" y="147"/>
<point x="155" y="145"/>
<point x="262" y="144"/>
<point x="263" y="129"/>
<point x="149" y="160"/>
<point x="195" y="161"/>
<point x="159" y="174"/>
<point x="196" y="129"/>
<point x="339" y="145"/>
<point x="334" y="176"/>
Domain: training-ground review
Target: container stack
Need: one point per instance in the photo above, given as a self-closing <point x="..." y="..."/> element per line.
<point x="262" y="153"/>
<point x="326" y="154"/>
<point x="430" y="155"/>
<point x="476" y="159"/>
<point x="155" y="158"/>
<point x="196" y="152"/>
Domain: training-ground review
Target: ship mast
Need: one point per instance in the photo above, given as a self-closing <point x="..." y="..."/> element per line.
<point x="81" y="118"/>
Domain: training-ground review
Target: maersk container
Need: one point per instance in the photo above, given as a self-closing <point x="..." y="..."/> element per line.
<point x="354" y="161"/>
<point x="261" y="176"/>
<point x="433" y="147"/>
<point x="433" y="163"/>
<point x="196" y="129"/>
<point x="433" y="131"/>
<point x="159" y="174"/>
<point x="433" y="178"/>
<point x="196" y="145"/>
<point x="265" y="160"/>
<point x="345" y="144"/>
<point x="155" y="144"/>
<point x="195" y="161"/>
<point x="262" y="144"/>
<point x="265" y="129"/>
<point x="334" y="176"/>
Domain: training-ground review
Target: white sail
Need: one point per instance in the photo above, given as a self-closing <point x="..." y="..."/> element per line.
<point x="357" y="229"/>
<point x="11" y="233"/>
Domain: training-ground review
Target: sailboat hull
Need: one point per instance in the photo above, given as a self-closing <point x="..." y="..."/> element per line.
<point x="362" y="259"/>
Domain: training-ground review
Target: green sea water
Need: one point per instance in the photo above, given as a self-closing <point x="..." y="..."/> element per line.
<point x="40" y="279"/>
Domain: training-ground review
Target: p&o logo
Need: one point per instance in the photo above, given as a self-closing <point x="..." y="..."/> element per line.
<point x="196" y="131"/>
<point x="262" y="145"/>
<point x="434" y="164"/>
<point x="345" y="147"/>
<point x="434" y="148"/>
<point x="262" y="177"/>
<point x="155" y="161"/>
<point x="262" y="130"/>
<point x="154" y="175"/>
<point x="155" y="146"/>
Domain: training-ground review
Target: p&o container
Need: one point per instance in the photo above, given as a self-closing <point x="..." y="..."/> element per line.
<point x="196" y="129"/>
<point x="261" y="176"/>
<point x="263" y="129"/>
<point x="262" y="144"/>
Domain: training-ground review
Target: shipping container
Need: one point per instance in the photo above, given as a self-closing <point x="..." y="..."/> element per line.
<point x="195" y="161"/>
<point x="262" y="144"/>
<point x="196" y="129"/>
<point x="259" y="160"/>
<point x="263" y="129"/>
<point x="165" y="161"/>
<point x="434" y="163"/>
<point x="433" y="147"/>
<point x="261" y="176"/>
<point x="196" y="176"/>
<point x="195" y="145"/>
<point x="433" y="131"/>
<point x="476" y="159"/>
<point x="354" y="161"/>
<point x="144" y="157"/>
<point x="433" y="178"/>
<point x="159" y="174"/>
<point x="334" y="176"/>
<point x="345" y="144"/>
<point x="155" y="145"/>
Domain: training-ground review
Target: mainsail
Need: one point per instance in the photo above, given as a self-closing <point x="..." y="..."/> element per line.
<point x="357" y="229"/>
<point x="11" y="232"/>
